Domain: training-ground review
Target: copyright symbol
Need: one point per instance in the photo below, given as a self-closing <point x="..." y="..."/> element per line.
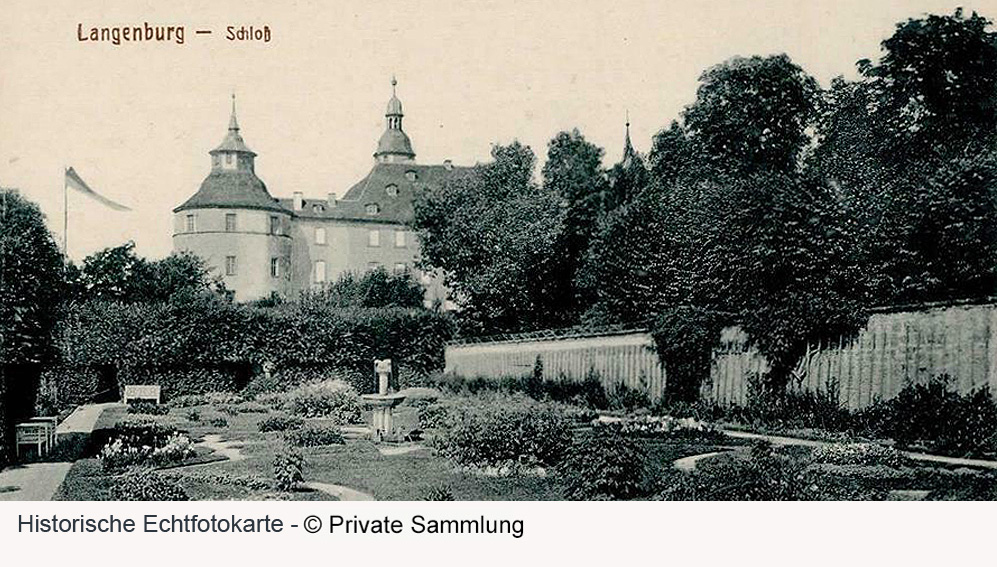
<point x="313" y="524"/>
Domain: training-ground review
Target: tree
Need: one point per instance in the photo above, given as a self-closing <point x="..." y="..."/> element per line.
<point x="752" y="114"/>
<point x="936" y="87"/>
<point x="494" y="234"/>
<point x="574" y="174"/>
<point x="376" y="288"/>
<point x="30" y="289"/>
<point x="118" y="274"/>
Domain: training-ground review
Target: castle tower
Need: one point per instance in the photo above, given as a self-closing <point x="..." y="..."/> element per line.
<point x="394" y="145"/>
<point x="235" y="225"/>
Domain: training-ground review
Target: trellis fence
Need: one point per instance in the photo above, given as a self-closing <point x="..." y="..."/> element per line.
<point x="895" y="348"/>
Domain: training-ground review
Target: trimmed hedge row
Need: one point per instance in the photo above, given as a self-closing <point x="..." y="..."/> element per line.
<point x="213" y="345"/>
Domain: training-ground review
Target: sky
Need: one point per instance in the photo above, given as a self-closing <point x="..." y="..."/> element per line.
<point x="136" y="120"/>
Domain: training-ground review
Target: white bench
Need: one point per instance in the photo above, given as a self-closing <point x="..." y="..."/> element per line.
<point x="35" y="433"/>
<point x="51" y="422"/>
<point x="142" y="393"/>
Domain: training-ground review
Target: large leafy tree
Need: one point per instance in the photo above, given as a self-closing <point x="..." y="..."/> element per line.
<point x="495" y="234"/>
<point x="752" y="114"/>
<point x="118" y="274"/>
<point x="574" y="174"/>
<point x="935" y="86"/>
<point x="31" y="283"/>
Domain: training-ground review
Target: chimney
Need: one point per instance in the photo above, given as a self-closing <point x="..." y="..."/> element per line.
<point x="448" y="165"/>
<point x="332" y="200"/>
<point x="299" y="200"/>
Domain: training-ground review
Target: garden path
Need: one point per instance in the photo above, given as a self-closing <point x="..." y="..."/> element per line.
<point x="233" y="452"/>
<point x="783" y="440"/>
<point x="39" y="481"/>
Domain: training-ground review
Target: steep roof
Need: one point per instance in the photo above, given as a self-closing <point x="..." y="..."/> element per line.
<point x="235" y="189"/>
<point x="394" y="142"/>
<point x="373" y="189"/>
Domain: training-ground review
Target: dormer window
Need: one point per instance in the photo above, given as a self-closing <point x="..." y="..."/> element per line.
<point x="391" y="190"/>
<point x="318" y="208"/>
<point x="373" y="209"/>
<point x="411" y="175"/>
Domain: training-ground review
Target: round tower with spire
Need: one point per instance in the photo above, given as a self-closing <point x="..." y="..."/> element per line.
<point x="233" y="223"/>
<point x="394" y="145"/>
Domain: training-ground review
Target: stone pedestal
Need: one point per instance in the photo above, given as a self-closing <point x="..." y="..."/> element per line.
<point x="381" y="405"/>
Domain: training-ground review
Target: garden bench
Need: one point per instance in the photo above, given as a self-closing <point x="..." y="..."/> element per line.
<point x="32" y="433"/>
<point x="51" y="422"/>
<point x="142" y="393"/>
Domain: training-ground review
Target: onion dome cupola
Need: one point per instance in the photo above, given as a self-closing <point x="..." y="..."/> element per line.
<point x="394" y="145"/>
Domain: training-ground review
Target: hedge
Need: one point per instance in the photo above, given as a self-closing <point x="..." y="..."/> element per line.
<point x="213" y="345"/>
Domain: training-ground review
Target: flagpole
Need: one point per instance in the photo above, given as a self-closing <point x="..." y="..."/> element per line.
<point x="65" y="215"/>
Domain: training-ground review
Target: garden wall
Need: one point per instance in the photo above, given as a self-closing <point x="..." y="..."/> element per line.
<point x="626" y="358"/>
<point x="895" y="348"/>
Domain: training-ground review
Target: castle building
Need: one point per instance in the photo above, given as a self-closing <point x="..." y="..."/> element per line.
<point x="261" y="245"/>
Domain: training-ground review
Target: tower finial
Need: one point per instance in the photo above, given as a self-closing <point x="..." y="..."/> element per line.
<point x="628" y="119"/>
<point x="394" y="83"/>
<point x="233" y="124"/>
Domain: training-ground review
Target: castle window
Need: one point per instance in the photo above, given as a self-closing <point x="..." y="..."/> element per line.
<point x="411" y="175"/>
<point x="373" y="209"/>
<point x="320" y="235"/>
<point x="317" y="208"/>
<point x="374" y="237"/>
<point x="391" y="190"/>
<point x="230" y="265"/>
<point x="399" y="238"/>
<point x="274" y="267"/>
<point x="228" y="159"/>
<point x="319" y="271"/>
<point x="274" y="225"/>
<point x="191" y="223"/>
<point x="400" y="268"/>
<point x="229" y="222"/>
<point x="216" y="161"/>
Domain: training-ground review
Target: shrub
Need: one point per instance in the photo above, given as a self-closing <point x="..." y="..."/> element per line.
<point x="606" y="465"/>
<point x="223" y="398"/>
<point x="141" y="433"/>
<point x="941" y="420"/>
<point x="188" y="401"/>
<point x="177" y="449"/>
<point x="333" y="399"/>
<point x="288" y="467"/>
<point x="314" y="435"/>
<point x="251" y="482"/>
<point x="859" y="454"/>
<point x="279" y="422"/>
<point x="228" y="410"/>
<point x="664" y="428"/>
<point x="441" y="493"/>
<point x="148" y="408"/>
<point x="762" y="475"/>
<point x="252" y="407"/>
<point x="192" y="415"/>
<point x="218" y="422"/>
<point x="436" y="415"/>
<point x="499" y="434"/>
<point x="147" y="486"/>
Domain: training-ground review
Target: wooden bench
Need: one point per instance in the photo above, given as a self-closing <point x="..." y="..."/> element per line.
<point x="142" y="394"/>
<point x="33" y="433"/>
<point x="52" y="422"/>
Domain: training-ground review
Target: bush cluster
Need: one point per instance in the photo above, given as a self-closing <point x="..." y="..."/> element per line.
<point x="148" y="408"/>
<point x="279" y="422"/>
<point x="607" y="465"/>
<point x="314" y="435"/>
<point x="504" y="434"/>
<point x="147" y="486"/>
<point x="940" y="420"/>
<point x="332" y="399"/>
